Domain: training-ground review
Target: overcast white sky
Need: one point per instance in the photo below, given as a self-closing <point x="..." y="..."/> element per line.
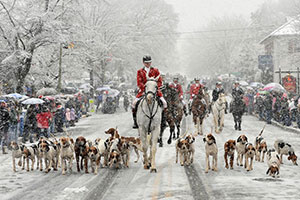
<point x="193" y="14"/>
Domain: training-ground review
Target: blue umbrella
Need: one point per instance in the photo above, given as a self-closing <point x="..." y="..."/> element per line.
<point x="15" y="95"/>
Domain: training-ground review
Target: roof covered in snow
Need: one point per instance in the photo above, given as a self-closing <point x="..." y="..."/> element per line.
<point x="291" y="27"/>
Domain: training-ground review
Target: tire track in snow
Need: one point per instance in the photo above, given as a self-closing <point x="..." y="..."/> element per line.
<point x="101" y="187"/>
<point x="196" y="183"/>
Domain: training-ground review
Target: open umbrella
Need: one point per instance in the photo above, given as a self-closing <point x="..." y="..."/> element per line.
<point x="263" y="92"/>
<point x="106" y="87"/>
<point x="46" y="91"/>
<point x="274" y="87"/>
<point x="249" y="88"/>
<point x="243" y="83"/>
<point x="33" y="101"/>
<point x="15" y="95"/>
<point x="256" y="84"/>
<point x="49" y="97"/>
<point x="113" y="93"/>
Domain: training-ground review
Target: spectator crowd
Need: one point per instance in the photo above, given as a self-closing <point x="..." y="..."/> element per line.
<point x="30" y="122"/>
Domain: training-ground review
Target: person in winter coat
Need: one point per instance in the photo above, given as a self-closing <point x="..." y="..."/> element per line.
<point x="259" y="103"/>
<point x="43" y="119"/>
<point x="68" y="117"/>
<point x="73" y="117"/>
<point x="237" y="91"/>
<point x="30" y="124"/>
<point x="285" y="113"/>
<point x="215" y="94"/>
<point x="13" y="121"/>
<point x="268" y="108"/>
<point x="4" y="126"/>
<point x="59" y="118"/>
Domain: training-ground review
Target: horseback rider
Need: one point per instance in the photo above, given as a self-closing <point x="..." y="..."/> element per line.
<point x="141" y="82"/>
<point x="178" y="87"/>
<point x="218" y="90"/>
<point x="237" y="91"/>
<point x="194" y="90"/>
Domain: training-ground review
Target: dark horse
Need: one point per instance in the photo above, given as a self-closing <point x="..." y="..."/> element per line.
<point x="199" y="107"/>
<point x="174" y="114"/>
<point x="237" y="108"/>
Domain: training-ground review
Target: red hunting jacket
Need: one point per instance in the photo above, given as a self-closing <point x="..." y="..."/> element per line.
<point x="142" y="79"/>
<point x="194" y="90"/>
<point x="178" y="88"/>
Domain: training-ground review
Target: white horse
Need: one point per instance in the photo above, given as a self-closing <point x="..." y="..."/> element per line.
<point x="218" y="111"/>
<point x="149" y="119"/>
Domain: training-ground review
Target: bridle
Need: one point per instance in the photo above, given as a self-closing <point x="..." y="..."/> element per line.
<point x="220" y="105"/>
<point x="150" y="109"/>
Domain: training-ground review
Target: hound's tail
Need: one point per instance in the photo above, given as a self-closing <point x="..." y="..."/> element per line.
<point x="262" y="130"/>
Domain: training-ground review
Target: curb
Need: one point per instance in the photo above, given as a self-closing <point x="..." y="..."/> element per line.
<point x="287" y="128"/>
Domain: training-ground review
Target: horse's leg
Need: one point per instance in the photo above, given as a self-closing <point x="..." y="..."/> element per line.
<point x="221" y="125"/>
<point x="235" y="122"/>
<point x="143" y="136"/>
<point x="198" y="125"/>
<point x="215" y="120"/>
<point x="195" y="123"/>
<point x="178" y="130"/>
<point x="172" y="129"/>
<point x="153" y="149"/>
<point x="239" y="121"/>
<point x="201" y="126"/>
<point x="160" y="140"/>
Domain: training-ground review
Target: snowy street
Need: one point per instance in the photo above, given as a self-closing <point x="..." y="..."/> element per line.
<point x="172" y="181"/>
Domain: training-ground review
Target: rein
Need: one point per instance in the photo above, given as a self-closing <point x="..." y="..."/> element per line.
<point x="220" y="105"/>
<point x="150" y="109"/>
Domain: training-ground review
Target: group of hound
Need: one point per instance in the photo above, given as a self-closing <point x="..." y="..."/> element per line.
<point x="185" y="147"/>
<point x="60" y="153"/>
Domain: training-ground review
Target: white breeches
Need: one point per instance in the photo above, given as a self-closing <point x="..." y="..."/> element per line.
<point x="134" y="102"/>
<point x="161" y="98"/>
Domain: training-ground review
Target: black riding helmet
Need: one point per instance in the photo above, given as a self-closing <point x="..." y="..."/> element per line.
<point x="147" y="59"/>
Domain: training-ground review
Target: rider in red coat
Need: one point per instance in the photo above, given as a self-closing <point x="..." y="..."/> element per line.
<point x="178" y="87"/>
<point x="141" y="82"/>
<point x="142" y="79"/>
<point x="195" y="88"/>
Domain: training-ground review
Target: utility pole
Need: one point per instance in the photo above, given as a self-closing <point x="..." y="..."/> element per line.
<point x="59" y="69"/>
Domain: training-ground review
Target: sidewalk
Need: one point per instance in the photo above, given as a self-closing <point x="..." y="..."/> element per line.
<point x="287" y="128"/>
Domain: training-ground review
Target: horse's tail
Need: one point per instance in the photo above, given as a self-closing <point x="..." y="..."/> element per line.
<point x="262" y="130"/>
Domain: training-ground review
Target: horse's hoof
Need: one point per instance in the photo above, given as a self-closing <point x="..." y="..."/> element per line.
<point x="169" y="141"/>
<point x="146" y="166"/>
<point x="160" y="144"/>
<point x="153" y="170"/>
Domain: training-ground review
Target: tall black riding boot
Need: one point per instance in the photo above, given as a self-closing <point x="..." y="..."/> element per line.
<point x="135" y="125"/>
<point x="164" y="118"/>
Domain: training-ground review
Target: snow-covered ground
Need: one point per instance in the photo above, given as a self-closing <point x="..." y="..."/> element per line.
<point x="172" y="181"/>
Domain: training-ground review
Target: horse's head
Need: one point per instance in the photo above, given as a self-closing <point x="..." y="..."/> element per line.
<point x="151" y="88"/>
<point x="222" y="98"/>
<point x="200" y="93"/>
